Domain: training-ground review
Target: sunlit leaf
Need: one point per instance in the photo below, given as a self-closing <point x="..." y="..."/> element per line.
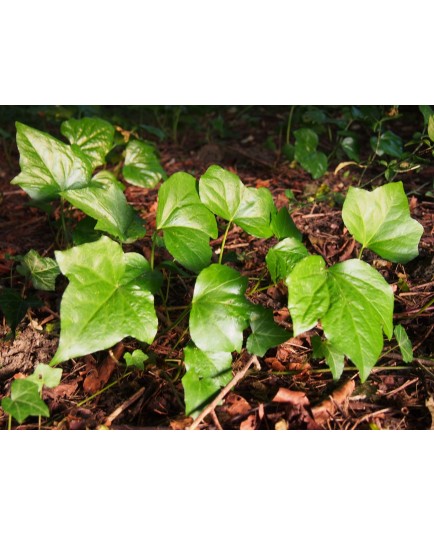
<point x="45" y="375"/>
<point x="136" y="359"/>
<point x="266" y="333"/>
<point x="282" y="258"/>
<point x="25" y="401"/>
<point x="142" y="166"/>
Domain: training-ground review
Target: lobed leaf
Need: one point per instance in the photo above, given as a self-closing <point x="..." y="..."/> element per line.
<point x="380" y="220"/>
<point x="93" y="136"/>
<point x="220" y="311"/>
<point x="109" y="297"/>
<point x="136" y="359"/>
<point x="48" y="166"/>
<point x="42" y="271"/>
<point x="25" y="401"/>
<point x="266" y="333"/>
<point x="142" y="166"/>
<point x="185" y="221"/>
<point x="206" y="374"/>
<point x="45" y="375"/>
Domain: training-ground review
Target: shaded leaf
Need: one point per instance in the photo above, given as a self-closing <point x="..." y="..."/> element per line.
<point x="42" y="271"/>
<point x="282" y="258"/>
<point x="136" y="359"/>
<point x="388" y="143"/>
<point x="380" y="220"/>
<point x="25" y="401"/>
<point x="48" y="166"/>
<point x="207" y="373"/>
<point x="108" y="298"/>
<point x="185" y="221"/>
<point x="142" y="166"/>
<point x="220" y="312"/>
<point x="15" y="307"/>
<point x="335" y="360"/>
<point x="431" y="127"/>
<point x="426" y="111"/>
<point x="351" y="148"/>
<point x="283" y="226"/>
<point x="93" y="136"/>
<point x="266" y="333"/>
<point x="404" y="343"/>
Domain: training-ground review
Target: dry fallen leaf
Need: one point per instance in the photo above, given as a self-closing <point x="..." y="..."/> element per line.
<point x="286" y="396"/>
<point x="249" y="423"/>
<point x="326" y="409"/>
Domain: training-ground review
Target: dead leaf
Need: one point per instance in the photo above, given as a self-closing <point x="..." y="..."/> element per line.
<point x="326" y="409"/>
<point x="236" y="405"/>
<point x="181" y="424"/>
<point x="429" y="403"/>
<point x="64" y="390"/>
<point x="249" y="423"/>
<point x="97" y="378"/>
<point x="286" y="396"/>
<point x="282" y="424"/>
<point x="275" y="364"/>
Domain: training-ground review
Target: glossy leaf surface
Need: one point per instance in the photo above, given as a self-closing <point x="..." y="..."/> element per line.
<point x="142" y="166"/>
<point x="380" y="220"/>
<point x="220" y="312"/>
<point x="282" y="258"/>
<point x="108" y="298"/>
<point x="266" y="333"/>
<point x="283" y="226"/>
<point x="42" y="271"/>
<point x="185" y="221"/>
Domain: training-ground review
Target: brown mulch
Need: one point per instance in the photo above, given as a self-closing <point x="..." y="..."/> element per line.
<point x="290" y="391"/>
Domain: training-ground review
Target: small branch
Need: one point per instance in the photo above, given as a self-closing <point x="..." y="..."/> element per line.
<point x="124" y="406"/>
<point x="238" y="377"/>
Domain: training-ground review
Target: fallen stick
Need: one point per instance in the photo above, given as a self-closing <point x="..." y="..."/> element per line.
<point x="123" y="407"/>
<point x="211" y="407"/>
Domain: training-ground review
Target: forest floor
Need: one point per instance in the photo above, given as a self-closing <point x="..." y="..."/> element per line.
<point x="290" y="390"/>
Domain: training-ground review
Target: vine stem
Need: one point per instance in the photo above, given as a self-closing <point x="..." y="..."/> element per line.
<point x="239" y="376"/>
<point x="224" y="241"/>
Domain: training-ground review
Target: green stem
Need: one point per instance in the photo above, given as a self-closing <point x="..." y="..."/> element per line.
<point x="362" y="249"/>
<point x="85" y="401"/>
<point x="152" y="260"/>
<point x="224" y="242"/>
<point x="10" y="422"/>
<point x="288" y="126"/>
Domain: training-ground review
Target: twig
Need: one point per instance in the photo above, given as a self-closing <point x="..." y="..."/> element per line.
<point x="239" y="376"/>
<point x="123" y="407"/>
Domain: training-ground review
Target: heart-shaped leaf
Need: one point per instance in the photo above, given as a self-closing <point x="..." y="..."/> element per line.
<point x="306" y="154"/>
<point x="48" y="166"/>
<point x="186" y="222"/>
<point x="220" y="311"/>
<point x="207" y="373"/>
<point x="108" y="298"/>
<point x="282" y="258"/>
<point x="93" y="136"/>
<point x="142" y="166"/>
<point x="136" y="359"/>
<point x="380" y="220"/>
<point x="41" y="270"/>
<point x="266" y="333"/>
<point x="308" y="293"/>
<point x="361" y="308"/>
<point x="25" y="401"/>
<point x="225" y="195"/>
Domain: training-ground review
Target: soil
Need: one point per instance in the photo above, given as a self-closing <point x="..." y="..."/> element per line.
<point x="291" y="390"/>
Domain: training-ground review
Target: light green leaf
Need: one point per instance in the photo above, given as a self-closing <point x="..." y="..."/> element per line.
<point x="361" y="308"/>
<point x="48" y="166"/>
<point x="25" y="401"/>
<point x="283" y="226"/>
<point x="266" y="333"/>
<point x="282" y="258"/>
<point x="380" y="220"/>
<point x="431" y="127"/>
<point x="335" y="360"/>
<point x="186" y="222"/>
<point x="308" y="293"/>
<point x="142" y="166"/>
<point x="106" y="203"/>
<point x="108" y="298"/>
<point x="404" y="343"/>
<point x="45" y="375"/>
<point x="136" y="359"/>
<point x="225" y="195"/>
<point x="41" y="270"/>
<point x="220" y="312"/>
<point x="93" y="136"/>
<point x="207" y="373"/>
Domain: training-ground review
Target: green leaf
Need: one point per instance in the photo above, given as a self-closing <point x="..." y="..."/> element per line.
<point x="431" y="127"/>
<point x="94" y="137"/>
<point x="380" y="220"/>
<point x="351" y="148"/>
<point x="41" y="270"/>
<point x="220" y="312"/>
<point x="106" y="203"/>
<point x="314" y="163"/>
<point x="48" y="166"/>
<point x="306" y="154"/>
<point x="85" y="232"/>
<point x="335" y="360"/>
<point x="266" y="333"/>
<point x="426" y="111"/>
<point x="142" y="166"/>
<point x="108" y="298"/>
<point x="207" y="373"/>
<point x="283" y="226"/>
<point x="404" y="343"/>
<point x="282" y="258"/>
<point x="25" y="401"/>
<point x="136" y="359"/>
<point x="308" y="293"/>
<point x="306" y="140"/>
<point x="225" y="195"/>
<point x="186" y="222"/>
<point x="45" y="375"/>
<point x="388" y="143"/>
<point x="15" y="307"/>
<point x="361" y="308"/>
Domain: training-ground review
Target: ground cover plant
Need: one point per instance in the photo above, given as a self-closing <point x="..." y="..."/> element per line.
<point x="124" y="280"/>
